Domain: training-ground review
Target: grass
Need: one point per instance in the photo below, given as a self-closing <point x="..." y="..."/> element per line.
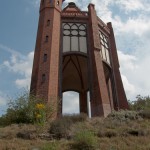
<point x="124" y="131"/>
<point x="85" y="140"/>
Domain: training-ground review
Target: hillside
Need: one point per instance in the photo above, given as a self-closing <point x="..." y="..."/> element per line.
<point x="124" y="130"/>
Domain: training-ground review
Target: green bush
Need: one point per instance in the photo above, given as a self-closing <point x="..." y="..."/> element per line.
<point x="85" y="140"/>
<point x="20" y="110"/>
<point x="124" y="115"/>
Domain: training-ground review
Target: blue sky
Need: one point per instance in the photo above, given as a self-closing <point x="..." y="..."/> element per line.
<point x="18" y="27"/>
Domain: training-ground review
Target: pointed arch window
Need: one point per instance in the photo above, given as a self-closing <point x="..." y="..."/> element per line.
<point x="104" y="47"/>
<point x="74" y="37"/>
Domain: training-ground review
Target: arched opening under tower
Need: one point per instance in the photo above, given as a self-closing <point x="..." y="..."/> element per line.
<point x="75" y="78"/>
<point x="75" y="64"/>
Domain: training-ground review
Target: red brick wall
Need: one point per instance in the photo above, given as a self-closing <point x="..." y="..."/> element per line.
<point x="47" y="90"/>
<point x="100" y="104"/>
<point x="102" y="100"/>
<point x="121" y="96"/>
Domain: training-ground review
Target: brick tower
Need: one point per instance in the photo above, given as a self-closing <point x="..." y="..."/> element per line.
<point x="76" y="51"/>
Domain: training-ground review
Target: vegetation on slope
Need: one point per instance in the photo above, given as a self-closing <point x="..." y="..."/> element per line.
<point x="21" y="129"/>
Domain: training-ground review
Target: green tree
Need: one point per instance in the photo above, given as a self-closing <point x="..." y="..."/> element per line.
<point x="141" y="103"/>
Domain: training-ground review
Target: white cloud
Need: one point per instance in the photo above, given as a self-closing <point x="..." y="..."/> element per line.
<point x="70" y="103"/>
<point x="102" y="9"/>
<point x="21" y="66"/>
<point x="130" y="5"/>
<point x="2" y="99"/>
<point x="135" y="24"/>
<point x="10" y="50"/>
<point x="35" y="3"/>
<point x="135" y="74"/>
<point x="3" y="103"/>
<point x="128" y="62"/>
<point x="130" y="89"/>
<point x="21" y="83"/>
<point x="138" y="26"/>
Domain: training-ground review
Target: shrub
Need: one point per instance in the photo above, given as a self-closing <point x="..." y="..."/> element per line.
<point x="27" y="135"/>
<point x="145" y="114"/>
<point x="85" y="140"/>
<point x="124" y="115"/>
<point x="19" y="110"/>
<point x="107" y="133"/>
<point x="111" y="133"/>
<point x="60" y="128"/>
<point x="40" y="113"/>
<point x="22" y="110"/>
<point x="138" y="132"/>
<point x="50" y="146"/>
<point x="3" y="121"/>
<point x="78" y="118"/>
<point x="133" y="132"/>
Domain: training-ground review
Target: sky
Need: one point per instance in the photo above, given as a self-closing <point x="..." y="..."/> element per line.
<point x="18" y="29"/>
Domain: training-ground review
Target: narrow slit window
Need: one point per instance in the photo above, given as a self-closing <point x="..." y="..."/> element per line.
<point x="46" y="39"/>
<point x="48" y="22"/>
<point x="58" y="3"/>
<point x="45" y="58"/>
<point x="43" y="78"/>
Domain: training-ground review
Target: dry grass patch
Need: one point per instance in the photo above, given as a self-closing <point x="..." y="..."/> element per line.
<point x="124" y="143"/>
<point x="80" y="133"/>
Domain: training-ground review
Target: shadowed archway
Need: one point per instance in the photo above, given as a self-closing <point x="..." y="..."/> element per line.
<point x="75" y="77"/>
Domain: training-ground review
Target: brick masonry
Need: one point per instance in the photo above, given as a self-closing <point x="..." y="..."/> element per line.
<point x="46" y="81"/>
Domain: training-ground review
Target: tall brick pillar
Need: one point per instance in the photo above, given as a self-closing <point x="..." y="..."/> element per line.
<point x="120" y="93"/>
<point x="83" y="102"/>
<point x="44" y="82"/>
<point x="100" y="104"/>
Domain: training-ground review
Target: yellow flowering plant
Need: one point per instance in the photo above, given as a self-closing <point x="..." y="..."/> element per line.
<point x="40" y="106"/>
<point x="40" y="113"/>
